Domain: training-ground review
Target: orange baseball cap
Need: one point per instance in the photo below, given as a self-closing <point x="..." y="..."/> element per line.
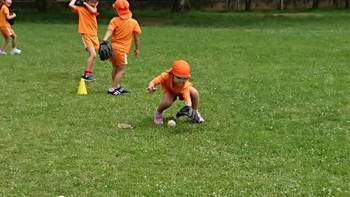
<point x="181" y="68"/>
<point x="122" y="8"/>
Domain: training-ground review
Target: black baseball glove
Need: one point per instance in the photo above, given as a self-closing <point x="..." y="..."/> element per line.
<point x="190" y="113"/>
<point x="11" y="21"/>
<point x="79" y="3"/>
<point x="105" y="51"/>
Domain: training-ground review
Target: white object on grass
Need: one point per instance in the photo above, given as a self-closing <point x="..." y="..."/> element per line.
<point x="171" y="123"/>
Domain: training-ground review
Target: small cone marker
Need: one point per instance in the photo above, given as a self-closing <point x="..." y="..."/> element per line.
<point x="82" y="88"/>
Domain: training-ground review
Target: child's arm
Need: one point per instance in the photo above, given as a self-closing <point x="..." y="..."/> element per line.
<point x="10" y="16"/>
<point x="91" y="9"/>
<point x="151" y="87"/>
<point x="187" y="97"/>
<point x="107" y="35"/>
<point x="72" y="4"/>
<point x="137" y="44"/>
<point x="188" y="102"/>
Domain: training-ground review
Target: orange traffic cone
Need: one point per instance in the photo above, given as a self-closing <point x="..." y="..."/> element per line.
<point x="82" y="88"/>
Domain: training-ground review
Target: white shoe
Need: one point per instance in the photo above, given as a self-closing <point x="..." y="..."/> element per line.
<point x="200" y="118"/>
<point x="15" y="51"/>
<point x="2" y="52"/>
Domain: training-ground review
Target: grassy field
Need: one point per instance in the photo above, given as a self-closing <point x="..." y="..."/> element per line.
<point x="274" y="92"/>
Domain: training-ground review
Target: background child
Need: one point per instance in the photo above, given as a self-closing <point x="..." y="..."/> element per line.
<point x="87" y="12"/>
<point x="122" y="29"/>
<point x="175" y="85"/>
<point x="6" y="29"/>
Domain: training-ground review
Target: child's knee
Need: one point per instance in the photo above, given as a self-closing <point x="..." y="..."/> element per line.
<point x="194" y="92"/>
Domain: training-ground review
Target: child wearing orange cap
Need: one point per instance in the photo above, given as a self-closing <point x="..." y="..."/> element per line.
<point x="175" y="84"/>
<point x="87" y="12"/>
<point x="6" y="29"/>
<point x="122" y="29"/>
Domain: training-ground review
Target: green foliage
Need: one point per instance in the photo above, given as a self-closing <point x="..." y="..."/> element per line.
<point x="274" y="93"/>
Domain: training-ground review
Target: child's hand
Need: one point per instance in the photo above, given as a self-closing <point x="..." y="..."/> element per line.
<point x="136" y="52"/>
<point x="151" y="89"/>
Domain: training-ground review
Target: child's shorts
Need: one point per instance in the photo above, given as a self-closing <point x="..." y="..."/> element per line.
<point x="7" y="32"/>
<point x="119" y="58"/>
<point x="90" y="41"/>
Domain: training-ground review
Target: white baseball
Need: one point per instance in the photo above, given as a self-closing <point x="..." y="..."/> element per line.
<point x="171" y="123"/>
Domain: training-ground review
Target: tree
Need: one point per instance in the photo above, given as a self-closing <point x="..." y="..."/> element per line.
<point x="281" y="4"/>
<point x="180" y="5"/>
<point x="230" y="4"/>
<point x="43" y="5"/>
<point x="247" y="5"/>
<point x="315" y="4"/>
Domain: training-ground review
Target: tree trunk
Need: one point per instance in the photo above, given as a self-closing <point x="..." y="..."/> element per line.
<point x="247" y="5"/>
<point x="180" y="5"/>
<point x="315" y="4"/>
<point x="281" y="4"/>
<point x="347" y="4"/>
<point x="43" y="5"/>
<point x="230" y="4"/>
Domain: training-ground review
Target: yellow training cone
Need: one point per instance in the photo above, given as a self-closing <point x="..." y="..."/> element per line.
<point x="82" y="88"/>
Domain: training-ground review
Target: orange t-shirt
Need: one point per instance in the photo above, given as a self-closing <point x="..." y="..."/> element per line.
<point x="4" y="11"/>
<point x="123" y="32"/>
<point x="87" y="21"/>
<point x="166" y="81"/>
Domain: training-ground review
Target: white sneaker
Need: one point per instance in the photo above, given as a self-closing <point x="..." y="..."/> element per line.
<point x="2" y="52"/>
<point x="200" y="118"/>
<point x="15" y="51"/>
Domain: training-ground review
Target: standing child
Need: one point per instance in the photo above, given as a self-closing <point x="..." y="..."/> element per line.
<point x="87" y="12"/>
<point x="6" y="29"/>
<point x="175" y="84"/>
<point x="122" y="29"/>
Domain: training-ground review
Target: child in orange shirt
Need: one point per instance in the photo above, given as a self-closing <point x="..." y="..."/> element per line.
<point x="6" y="29"/>
<point x="87" y="12"/>
<point x="122" y="29"/>
<point x="175" y="85"/>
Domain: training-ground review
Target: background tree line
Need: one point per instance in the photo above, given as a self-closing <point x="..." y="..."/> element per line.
<point x="182" y="5"/>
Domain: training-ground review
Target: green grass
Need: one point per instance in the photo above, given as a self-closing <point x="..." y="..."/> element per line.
<point x="274" y="92"/>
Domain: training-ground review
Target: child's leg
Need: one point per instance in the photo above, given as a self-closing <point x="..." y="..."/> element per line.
<point x="194" y="98"/>
<point x="14" y="41"/>
<point x="117" y="75"/>
<point x="195" y="103"/>
<point x="4" y="44"/>
<point x="166" y="102"/>
<point x="90" y="63"/>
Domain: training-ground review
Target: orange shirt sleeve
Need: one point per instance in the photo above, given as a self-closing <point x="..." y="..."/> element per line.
<point x="112" y="25"/>
<point x="6" y="11"/>
<point x="160" y="79"/>
<point x="137" y="28"/>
